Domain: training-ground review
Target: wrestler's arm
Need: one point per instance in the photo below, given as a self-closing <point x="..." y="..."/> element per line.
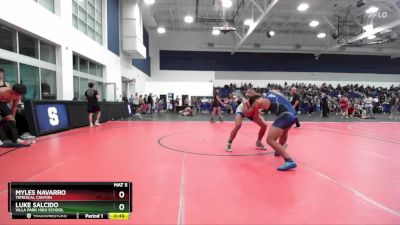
<point x="250" y="110"/>
<point x="14" y="106"/>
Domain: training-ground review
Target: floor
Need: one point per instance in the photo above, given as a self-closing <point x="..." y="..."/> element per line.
<point x="348" y="172"/>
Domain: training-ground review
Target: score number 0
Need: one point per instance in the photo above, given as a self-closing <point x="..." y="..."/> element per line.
<point x="121" y="194"/>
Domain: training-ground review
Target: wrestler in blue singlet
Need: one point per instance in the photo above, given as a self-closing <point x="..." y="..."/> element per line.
<point x="281" y="107"/>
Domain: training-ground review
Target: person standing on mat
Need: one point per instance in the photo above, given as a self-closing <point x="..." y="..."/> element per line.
<point x="216" y="104"/>
<point x="257" y="119"/>
<point x="11" y="95"/>
<point x="295" y="100"/>
<point x="93" y="104"/>
<point x="279" y="105"/>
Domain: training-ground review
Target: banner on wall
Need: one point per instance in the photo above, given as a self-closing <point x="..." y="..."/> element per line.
<point x="52" y="117"/>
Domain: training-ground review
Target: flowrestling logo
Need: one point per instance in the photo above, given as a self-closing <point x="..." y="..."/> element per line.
<point x="379" y="14"/>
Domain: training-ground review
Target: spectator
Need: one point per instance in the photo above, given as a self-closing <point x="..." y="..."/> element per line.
<point x="325" y="106"/>
<point x="394" y="103"/>
<point x="187" y="112"/>
<point x="8" y="126"/>
<point x="368" y="101"/>
<point x="295" y="100"/>
<point x="20" y="119"/>
<point x="130" y="102"/>
<point x="93" y="106"/>
<point x="344" y="105"/>
<point x="136" y="103"/>
<point x="150" y="103"/>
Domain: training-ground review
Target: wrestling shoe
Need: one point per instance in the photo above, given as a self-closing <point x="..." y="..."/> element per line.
<point x="228" y="147"/>
<point x="14" y="145"/>
<point x="18" y="144"/>
<point x="27" y="136"/>
<point x="260" y="146"/>
<point x="287" y="166"/>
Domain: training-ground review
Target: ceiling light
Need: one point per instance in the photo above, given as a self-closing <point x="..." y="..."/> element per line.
<point x="149" y="2"/>
<point x="370" y="37"/>
<point x="226" y="3"/>
<point x="368" y="27"/>
<point x="189" y="19"/>
<point x="303" y="7"/>
<point x="270" y="33"/>
<point x="372" y="10"/>
<point x="161" y="30"/>
<point x="248" y="22"/>
<point x="216" y="32"/>
<point x="321" y="35"/>
<point x="314" y="23"/>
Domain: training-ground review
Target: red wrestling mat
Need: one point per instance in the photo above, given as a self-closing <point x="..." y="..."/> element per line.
<point x="348" y="173"/>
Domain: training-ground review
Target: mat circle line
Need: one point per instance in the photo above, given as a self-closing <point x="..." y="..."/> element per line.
<point x="159" y="141"/>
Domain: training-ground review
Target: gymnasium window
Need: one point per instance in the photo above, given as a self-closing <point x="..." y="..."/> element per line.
<point x="48" y="4"/>
<point x="85" y="71"/>
<point x="37" y="71"/>
<point x="87" y="17"/>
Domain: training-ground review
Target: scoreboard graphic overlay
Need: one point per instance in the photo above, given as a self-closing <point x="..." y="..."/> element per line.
<point x="70" y="200"/>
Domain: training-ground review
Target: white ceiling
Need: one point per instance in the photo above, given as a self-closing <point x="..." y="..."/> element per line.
<point x="283" y="18"/>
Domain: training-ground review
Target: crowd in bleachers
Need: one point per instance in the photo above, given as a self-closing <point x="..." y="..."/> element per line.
<point x="363" y="101"/>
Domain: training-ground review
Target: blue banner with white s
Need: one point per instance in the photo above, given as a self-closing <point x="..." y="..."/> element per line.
<point x="51" y="117"/>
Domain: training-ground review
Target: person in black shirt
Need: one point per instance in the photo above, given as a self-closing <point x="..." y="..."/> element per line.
<point x="216" y="104"/>
<point x="295" y="100"/>
<point x="93" y="105"/>
<point x="325" y="106"/>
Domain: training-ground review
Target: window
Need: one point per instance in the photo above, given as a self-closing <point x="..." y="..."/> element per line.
<point x="47" y="52"/>
<point x="92" y="68"/>
<point x="75" y="61"/>
<point x="48" y="84"/>
<point x="83" y="65"/>
<point x="30" y="78"/>
<point x="28" y="46"/>
<point x="83" y="86"/>
<point x="11" y="71"/>
<point x="87" y="17"/>
<point x="87" y="66"/>
<point x="76" y="88"/>
<point x="8" y="40"/>
<point x="48" y="4"/>
<point x="99" y="71"/>
<point x="32" y="70"/>
<point x="86" y="71"/>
